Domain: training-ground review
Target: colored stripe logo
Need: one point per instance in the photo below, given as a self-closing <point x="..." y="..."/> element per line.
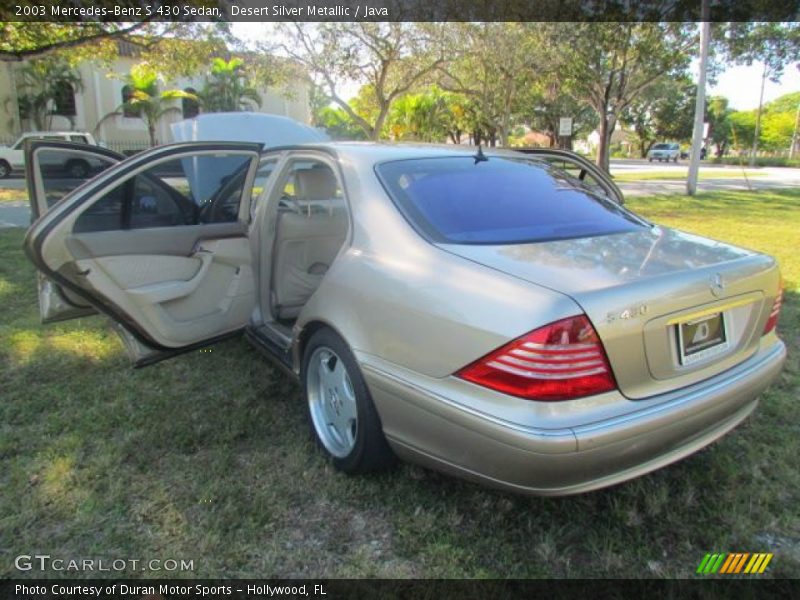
<point x="732" y="563"/>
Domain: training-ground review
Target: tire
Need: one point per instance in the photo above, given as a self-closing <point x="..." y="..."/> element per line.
<point x="77" y="169"/>
<point x="675" y="159"/>
<point x="649" y="160"/>
<point x="355" y="444"/>
<point x="5" y="169"/>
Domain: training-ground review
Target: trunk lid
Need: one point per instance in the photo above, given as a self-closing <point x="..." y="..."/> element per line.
<point x="638" y="287"/>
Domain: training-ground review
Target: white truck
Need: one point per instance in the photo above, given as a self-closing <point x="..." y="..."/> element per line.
<point x="12" y="158"/>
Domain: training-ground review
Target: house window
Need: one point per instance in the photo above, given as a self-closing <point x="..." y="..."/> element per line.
<point x="128" y="110"/>
<point x="190" y="106"/>
<point x="64" y="99"/>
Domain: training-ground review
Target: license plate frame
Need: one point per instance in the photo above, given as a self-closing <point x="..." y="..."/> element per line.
<point x="707" y="336"/>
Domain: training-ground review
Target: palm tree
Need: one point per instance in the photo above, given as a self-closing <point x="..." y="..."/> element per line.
<point x="42" y="86"/>
<point x="143" y="100"/>
<point x="227" y="88"/>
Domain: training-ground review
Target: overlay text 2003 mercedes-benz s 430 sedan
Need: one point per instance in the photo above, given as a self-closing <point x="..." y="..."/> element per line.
<point x="499" y="316"/>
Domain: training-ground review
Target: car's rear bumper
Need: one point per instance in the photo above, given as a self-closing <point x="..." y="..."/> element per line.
<point x="424" y="426"/>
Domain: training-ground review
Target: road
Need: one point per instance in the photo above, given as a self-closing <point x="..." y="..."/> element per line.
<point x="766" y="177"/>
<point x="17" y="214"/>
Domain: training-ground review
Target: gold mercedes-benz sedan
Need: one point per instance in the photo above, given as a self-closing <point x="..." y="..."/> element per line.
<point x="496" y="315"/>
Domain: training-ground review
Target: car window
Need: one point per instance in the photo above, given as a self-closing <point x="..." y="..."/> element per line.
<point x="78" y="139"/>
<point x="576" y="171"/>
<point x="311" y="188"/>
<point x="63" y="171"/>
<point x="265" y="170"/>
<point x="499" y="201"/>
<point x="660" y="147"/>
<point x="194" y="190"/>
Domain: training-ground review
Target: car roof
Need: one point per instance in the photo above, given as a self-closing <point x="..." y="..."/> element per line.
<point x="376" y="152"/>
<point x="31" y="133"/>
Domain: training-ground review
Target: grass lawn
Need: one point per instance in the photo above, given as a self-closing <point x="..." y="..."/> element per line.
<point x="207" y="457"/>
<point x="675" y="175"/>
<point x="12" y="195"/>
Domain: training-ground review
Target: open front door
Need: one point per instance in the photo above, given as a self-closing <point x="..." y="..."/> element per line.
<point x="159" y="243"/>
<point x="53" y="169"/>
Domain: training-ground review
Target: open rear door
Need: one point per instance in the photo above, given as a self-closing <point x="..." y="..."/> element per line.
<point x="159" y="243"/>
<point x="53" y="170"/>
<point x="577" y="166"/>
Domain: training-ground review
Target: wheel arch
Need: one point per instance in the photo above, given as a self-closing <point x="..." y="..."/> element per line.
<point x="309" y="328"/>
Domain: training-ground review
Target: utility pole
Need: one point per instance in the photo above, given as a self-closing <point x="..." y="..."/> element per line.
<point x="700" y="101"/>
<point x="757" y="132"/>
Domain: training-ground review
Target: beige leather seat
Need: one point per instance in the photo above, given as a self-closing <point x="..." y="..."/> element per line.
<point x="307" y="242"/>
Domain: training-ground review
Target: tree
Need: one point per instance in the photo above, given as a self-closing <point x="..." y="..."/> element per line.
<point x="777" y="130"/>
<point x="430" y="116"/>
<point x="542" y="110"/>
<point x="610" y="64"/>
<point x="338" y="124"/>
<point x="21" y="41"/>
<point x="144" y="99"/>
<point x="775" y="45"/>
<point x="719" y="124"/>
<point x="742" y="127"/>
<point x="227" y="88"/>
<point x="179" y="49"/>
<point x="662" y="112"/>
<point x="40" y="89"/>
<point x="390" y="59"/>
<point x="494" y="64"/>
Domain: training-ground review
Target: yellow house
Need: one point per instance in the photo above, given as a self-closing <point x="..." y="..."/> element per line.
<point x="103" y="92"/>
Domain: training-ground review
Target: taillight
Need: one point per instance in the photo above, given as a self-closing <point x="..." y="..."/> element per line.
<point x="773" y="315"/>
<point x="560" y="361"/>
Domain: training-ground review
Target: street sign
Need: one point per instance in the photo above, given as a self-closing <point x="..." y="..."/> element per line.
<point x="565" y="126"/>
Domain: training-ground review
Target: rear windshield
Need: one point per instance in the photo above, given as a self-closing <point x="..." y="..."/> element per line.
<point x="499" y="201"/>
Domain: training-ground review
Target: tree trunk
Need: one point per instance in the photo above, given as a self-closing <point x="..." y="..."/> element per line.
<point x="378" y="127"/>
<point x="503" y="134"/>
<point x="151" y="130"/>
<point x="606" y="128"/>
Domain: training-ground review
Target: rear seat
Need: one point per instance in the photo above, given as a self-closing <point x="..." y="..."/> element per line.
<point x="307" y="243"/>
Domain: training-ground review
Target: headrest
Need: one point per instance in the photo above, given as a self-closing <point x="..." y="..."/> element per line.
<point x="318" y="183"/>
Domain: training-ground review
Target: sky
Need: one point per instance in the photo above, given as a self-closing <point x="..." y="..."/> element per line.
<point x="740" y="84"/>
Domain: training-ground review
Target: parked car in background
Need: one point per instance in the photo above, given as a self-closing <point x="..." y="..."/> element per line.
<point x="664" y="152"/>
<point x="499" y="316"/>
<point x="12" y="158"/>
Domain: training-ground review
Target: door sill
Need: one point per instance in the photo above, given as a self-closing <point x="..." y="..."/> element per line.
<point x="275" y="342"/>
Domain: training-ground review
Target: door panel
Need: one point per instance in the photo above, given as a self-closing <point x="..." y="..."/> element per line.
<point x="53" y="170"/>
<point x="180" y="300"/>
<point x="179" y="278"/>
